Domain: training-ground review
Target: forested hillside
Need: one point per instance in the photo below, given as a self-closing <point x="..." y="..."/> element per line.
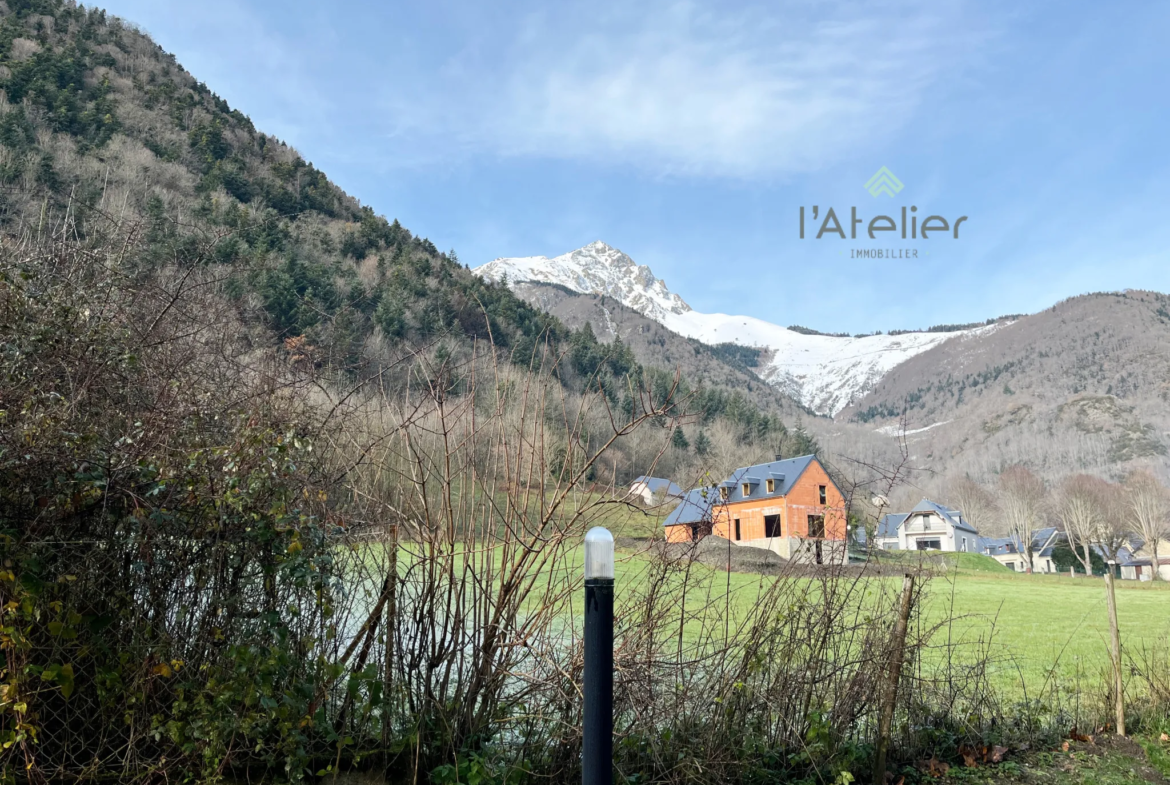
<point x="98" y="120"/>
<point x="99" y="125"/>
<point x="730" y="366"/>
<point x="1080" y="386"/>
<point x="231" y="399"/>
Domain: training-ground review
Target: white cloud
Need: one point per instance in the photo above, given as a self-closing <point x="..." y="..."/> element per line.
<point x="677" y="89"/>
<point x="668" y="87"/>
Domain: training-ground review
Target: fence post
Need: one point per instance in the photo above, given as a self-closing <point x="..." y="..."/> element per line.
<point x="597" y="729"/>
<point x="1115" y="651"/>
<point x="890" y="698"/>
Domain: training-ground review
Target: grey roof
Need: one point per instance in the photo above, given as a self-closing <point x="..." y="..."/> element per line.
<point x="1043" y="542"/>
<point x="1125" y="553"/>
<point x="655" y="484"/>
<point x="695" y="507"/>
<point x="953" y="517"/>
<point x="888" y="525"/>
<point x="997" y="546"/>
<point x="785" y="473"/>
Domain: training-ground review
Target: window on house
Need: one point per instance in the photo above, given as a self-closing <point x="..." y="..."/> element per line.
<point x="771" y="486"/>
<point x="772" y="527"/>
<point x="929" y="545"/>
<point x="747" y="490"/>
<point x="737" y="528"/>
<point x="816" y="526"/>
<point x="723" y="494"/>
<point x="821" y="489"/>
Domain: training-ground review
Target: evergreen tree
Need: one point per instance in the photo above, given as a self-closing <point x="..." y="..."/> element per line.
<point x="702" y="444"/>
<point x="801" y="442"/>
<point x="679" y="440"/>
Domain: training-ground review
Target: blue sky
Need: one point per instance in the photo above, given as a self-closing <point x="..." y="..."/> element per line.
<point x="689" y="134"/>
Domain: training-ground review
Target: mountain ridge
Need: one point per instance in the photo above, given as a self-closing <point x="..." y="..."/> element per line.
<point x="1082" y="384"/>
<point x="825" y="373"/>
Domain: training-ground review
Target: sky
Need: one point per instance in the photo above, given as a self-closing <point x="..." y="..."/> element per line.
<point x="690" y="134"/>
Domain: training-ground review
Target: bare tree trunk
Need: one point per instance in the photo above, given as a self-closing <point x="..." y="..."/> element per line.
<point x="1087" y="559"/>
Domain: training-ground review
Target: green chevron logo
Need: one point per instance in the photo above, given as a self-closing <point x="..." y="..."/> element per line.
<point x="884" y="182"/>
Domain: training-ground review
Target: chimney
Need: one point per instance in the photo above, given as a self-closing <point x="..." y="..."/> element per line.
<point x="779" y="457"/>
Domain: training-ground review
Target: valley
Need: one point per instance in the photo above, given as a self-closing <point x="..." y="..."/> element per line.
<point x="1082" y="386"/>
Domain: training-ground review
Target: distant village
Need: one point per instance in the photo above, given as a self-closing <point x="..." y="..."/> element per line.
<point x="793" y="508"/>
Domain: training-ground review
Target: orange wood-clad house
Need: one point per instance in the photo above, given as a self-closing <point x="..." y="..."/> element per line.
<point x="776" y="505"/>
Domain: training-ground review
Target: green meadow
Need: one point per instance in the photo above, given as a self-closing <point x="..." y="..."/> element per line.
<point x="1033" y="628"/>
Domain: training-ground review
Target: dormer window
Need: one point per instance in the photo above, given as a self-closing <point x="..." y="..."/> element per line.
<point x="723" y="494"/>
<point x="747" y="490"/>
<point x="771" y="485"/>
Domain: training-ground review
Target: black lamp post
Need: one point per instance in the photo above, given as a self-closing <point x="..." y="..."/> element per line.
<point x="597" y="744"/>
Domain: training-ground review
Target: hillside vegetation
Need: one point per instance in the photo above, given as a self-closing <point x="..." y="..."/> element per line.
<point x="287" y="492"/>
<point x="221" y="378"/>
<point x="101" y="126"/>
<point x="1081" y="386"/>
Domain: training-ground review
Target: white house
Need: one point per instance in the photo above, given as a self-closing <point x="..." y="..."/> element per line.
<point x="1009" y="552"/>
<point x="1137" y="564"/>
<point x="646" y="488"/>
<point x="928" y="527"/>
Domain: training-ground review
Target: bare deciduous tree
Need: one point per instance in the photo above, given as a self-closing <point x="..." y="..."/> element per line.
<point x="1021" y="504"/>
<point x="975" y="502"/>
<point x="1113" y="531"/>
<point x="1081" y="502"/>
<point x="1149" y="509"/>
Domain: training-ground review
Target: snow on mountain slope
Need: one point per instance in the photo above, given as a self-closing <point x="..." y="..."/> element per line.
<point x="595" y="269"/>
<point x="823" y="372"/>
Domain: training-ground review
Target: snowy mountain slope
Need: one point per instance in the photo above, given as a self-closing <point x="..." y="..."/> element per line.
<point x="595" y="269"/>
<point x="823" y="372"/>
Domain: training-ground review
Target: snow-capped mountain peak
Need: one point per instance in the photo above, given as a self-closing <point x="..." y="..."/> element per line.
<point x="824" y="372"/>
<point x="595" y="269"/>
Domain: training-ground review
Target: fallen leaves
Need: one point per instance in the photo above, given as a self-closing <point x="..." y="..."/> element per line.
<point x="936" y="767"/>
<point x="973" y="756"/>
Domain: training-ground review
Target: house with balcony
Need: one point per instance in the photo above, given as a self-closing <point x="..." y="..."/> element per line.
<point x="791" y="507"/>
<point x="928" y="527"/>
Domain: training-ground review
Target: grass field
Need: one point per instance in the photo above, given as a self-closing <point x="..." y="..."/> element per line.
<point x="1041" y="621"/>
<point x="1038" y="626"/>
